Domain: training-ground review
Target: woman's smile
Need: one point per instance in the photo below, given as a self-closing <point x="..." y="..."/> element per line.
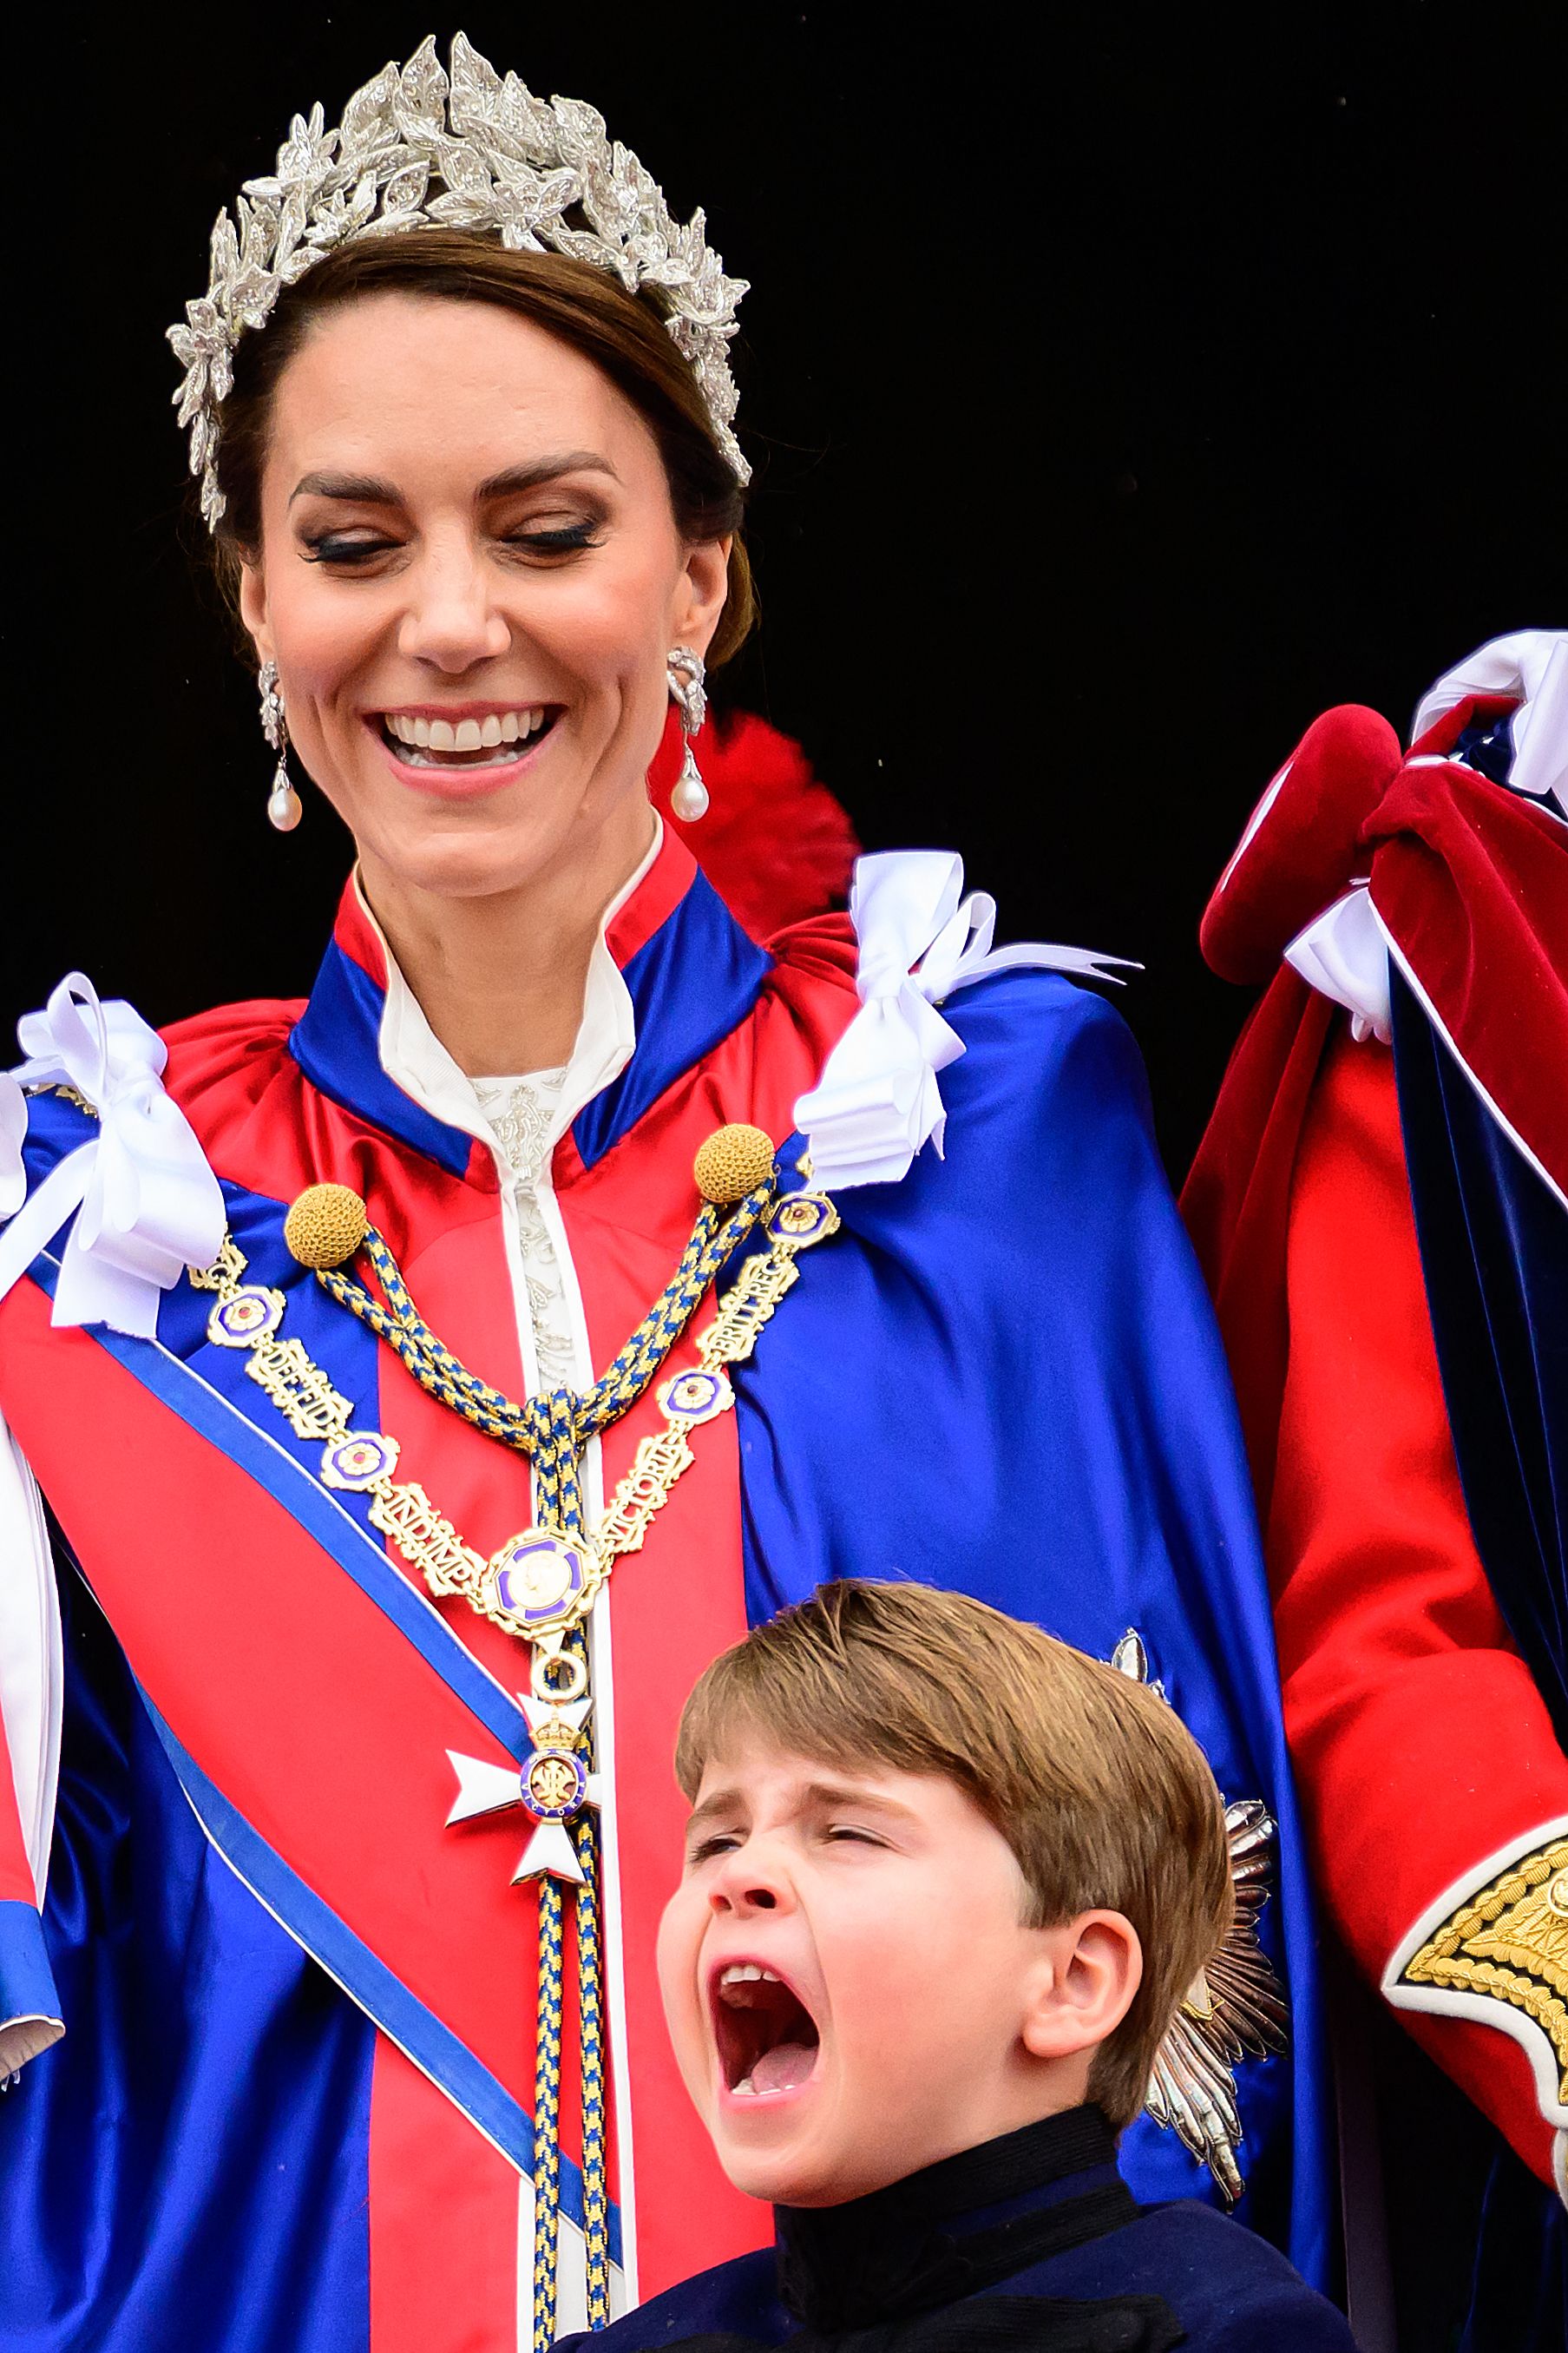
<point x="470" y="556"/>
<point x="460" y="750"/>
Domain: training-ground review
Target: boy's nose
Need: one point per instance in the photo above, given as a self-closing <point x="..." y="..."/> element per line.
<point x="748" y="1899"/>
<point x="749" y="1883"/>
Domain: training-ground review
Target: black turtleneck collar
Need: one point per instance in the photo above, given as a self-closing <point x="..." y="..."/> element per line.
<point x="953" y="2229"/>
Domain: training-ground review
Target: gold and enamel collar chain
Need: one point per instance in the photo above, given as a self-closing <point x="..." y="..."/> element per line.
<point x="541" y="1584"/>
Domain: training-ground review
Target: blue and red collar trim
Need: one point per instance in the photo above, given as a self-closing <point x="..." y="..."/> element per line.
<point x="693" y="974"/>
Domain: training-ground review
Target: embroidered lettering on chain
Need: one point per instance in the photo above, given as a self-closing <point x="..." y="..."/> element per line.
<point x="227" y="1270"/>
<point x="731" y="1337"/>
<point x="558" y="1551"/>
<point x="656" y="1466"/>
<point x="428" y="1541"/>
<point x="299" y="1389"/>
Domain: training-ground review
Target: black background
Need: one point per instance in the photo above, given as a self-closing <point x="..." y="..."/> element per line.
<point x="1124" y="387"/>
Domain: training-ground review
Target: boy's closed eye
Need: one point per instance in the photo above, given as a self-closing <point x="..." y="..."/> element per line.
<point x="713" y="1843"/>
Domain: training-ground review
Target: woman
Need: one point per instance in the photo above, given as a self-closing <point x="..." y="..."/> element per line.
<point x="385" y="1558"/>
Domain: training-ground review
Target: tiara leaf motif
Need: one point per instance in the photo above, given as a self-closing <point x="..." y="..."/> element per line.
<point x="502" y="160"/>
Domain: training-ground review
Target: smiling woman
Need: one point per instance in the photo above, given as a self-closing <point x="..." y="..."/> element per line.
<point x="440" y="1372"/>
<point x="447" y="467"/>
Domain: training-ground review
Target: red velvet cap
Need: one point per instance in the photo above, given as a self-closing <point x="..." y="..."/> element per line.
<point x="1300" y="853"/>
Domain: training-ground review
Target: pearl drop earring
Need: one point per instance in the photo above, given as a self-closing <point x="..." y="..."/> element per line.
<point x="688" y="801"/>
<point x="284" y="808"/>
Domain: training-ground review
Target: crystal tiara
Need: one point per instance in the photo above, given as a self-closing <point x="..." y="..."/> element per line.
<point x="502" y="160"/>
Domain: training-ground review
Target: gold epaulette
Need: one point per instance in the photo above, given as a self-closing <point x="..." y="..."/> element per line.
<point x="1498" y="1951"/>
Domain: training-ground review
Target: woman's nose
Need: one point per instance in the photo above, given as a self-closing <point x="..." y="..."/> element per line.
<point x="451" y="620"/>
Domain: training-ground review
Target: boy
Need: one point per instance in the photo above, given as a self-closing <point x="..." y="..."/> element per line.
<point x="946" y="1882"/>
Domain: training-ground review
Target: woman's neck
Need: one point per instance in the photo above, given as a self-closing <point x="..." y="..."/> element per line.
<point x="500" y="978"/>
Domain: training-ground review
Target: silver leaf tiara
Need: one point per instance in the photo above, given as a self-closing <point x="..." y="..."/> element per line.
<point x="503" y="161"/>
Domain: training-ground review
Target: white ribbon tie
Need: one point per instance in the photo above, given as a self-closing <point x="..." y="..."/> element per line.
<point x="877" y="1101"/>
<point x="147" y="1204"/>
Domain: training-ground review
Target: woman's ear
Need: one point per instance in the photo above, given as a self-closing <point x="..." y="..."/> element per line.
<point x="700" y="597"/>
<point x="1091" y="1967"/>
<point x="252" y="609"/>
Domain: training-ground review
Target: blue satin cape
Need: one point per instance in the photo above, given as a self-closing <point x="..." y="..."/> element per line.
<point x="1004" y="1377"/>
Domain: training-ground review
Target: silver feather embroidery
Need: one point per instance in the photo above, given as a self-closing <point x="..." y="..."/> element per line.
<point x="1234" y="2009"/>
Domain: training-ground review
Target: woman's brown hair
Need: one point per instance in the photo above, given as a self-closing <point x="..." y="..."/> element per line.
<point x="583" y="306"/>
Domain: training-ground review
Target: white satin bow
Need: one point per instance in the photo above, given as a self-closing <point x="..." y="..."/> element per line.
<point x="147" y="1204"/>
<point x="877" y="1101"/>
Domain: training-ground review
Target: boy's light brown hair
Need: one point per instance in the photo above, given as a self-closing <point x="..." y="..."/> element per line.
<point x="1102" y="1794"/>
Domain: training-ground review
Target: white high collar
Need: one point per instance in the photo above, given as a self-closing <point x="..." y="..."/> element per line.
<point x="413" y="1058"/>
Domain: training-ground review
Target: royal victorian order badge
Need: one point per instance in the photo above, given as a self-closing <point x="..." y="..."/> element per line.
<point x="554" y="1785"/>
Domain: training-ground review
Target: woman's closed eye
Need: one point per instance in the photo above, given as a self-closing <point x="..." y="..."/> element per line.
<point x="345" y="547"/>
<point x="558" y="539"/>
<point x="352" y="550"/>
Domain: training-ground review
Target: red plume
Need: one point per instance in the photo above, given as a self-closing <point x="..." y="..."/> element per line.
<point x="774" y="844"/>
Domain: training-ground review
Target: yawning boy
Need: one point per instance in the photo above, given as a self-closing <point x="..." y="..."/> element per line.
<point x="946" y="1881"/>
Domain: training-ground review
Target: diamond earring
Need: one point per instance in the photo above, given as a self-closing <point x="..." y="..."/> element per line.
<point x="688" y="801"/>
<point x="283" y="805"/>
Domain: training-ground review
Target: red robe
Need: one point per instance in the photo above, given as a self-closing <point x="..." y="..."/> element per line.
<point x="1425" y="1754"/>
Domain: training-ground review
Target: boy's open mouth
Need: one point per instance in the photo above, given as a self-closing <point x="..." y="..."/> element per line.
<point x="768" y="2039"/>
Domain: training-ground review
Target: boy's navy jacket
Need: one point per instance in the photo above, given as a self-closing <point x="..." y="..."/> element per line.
<point x="1033" y="2239"/>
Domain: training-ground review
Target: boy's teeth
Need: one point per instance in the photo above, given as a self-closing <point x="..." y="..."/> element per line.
<point x="745" y="2086"/>
<point x="748" y="1973"/>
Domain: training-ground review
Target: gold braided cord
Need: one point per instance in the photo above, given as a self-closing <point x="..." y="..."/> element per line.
<point x="528" y="1426"/>
<point x="595" y="2106"/>
<point x="547" y="2115"/>
<point x="553" y="1428"/>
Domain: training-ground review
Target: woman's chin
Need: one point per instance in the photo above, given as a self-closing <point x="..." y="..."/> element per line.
<point x="465" y="854"/>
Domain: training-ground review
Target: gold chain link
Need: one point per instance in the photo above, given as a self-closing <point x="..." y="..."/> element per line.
<point x="318" y="1411"/>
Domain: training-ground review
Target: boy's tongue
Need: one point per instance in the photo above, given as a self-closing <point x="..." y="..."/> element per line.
<point x="784" y="2066"/>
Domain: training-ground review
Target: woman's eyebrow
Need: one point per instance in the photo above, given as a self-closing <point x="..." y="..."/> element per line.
<point x="545" y="469"/>
<point x="371" y="491"/>
<point x="366" y="490"/>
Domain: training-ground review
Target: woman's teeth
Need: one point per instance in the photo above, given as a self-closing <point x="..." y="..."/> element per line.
<point x="501" y="733"/>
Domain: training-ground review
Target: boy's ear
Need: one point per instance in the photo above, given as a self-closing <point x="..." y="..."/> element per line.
<point x="1090" y="1969"/>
